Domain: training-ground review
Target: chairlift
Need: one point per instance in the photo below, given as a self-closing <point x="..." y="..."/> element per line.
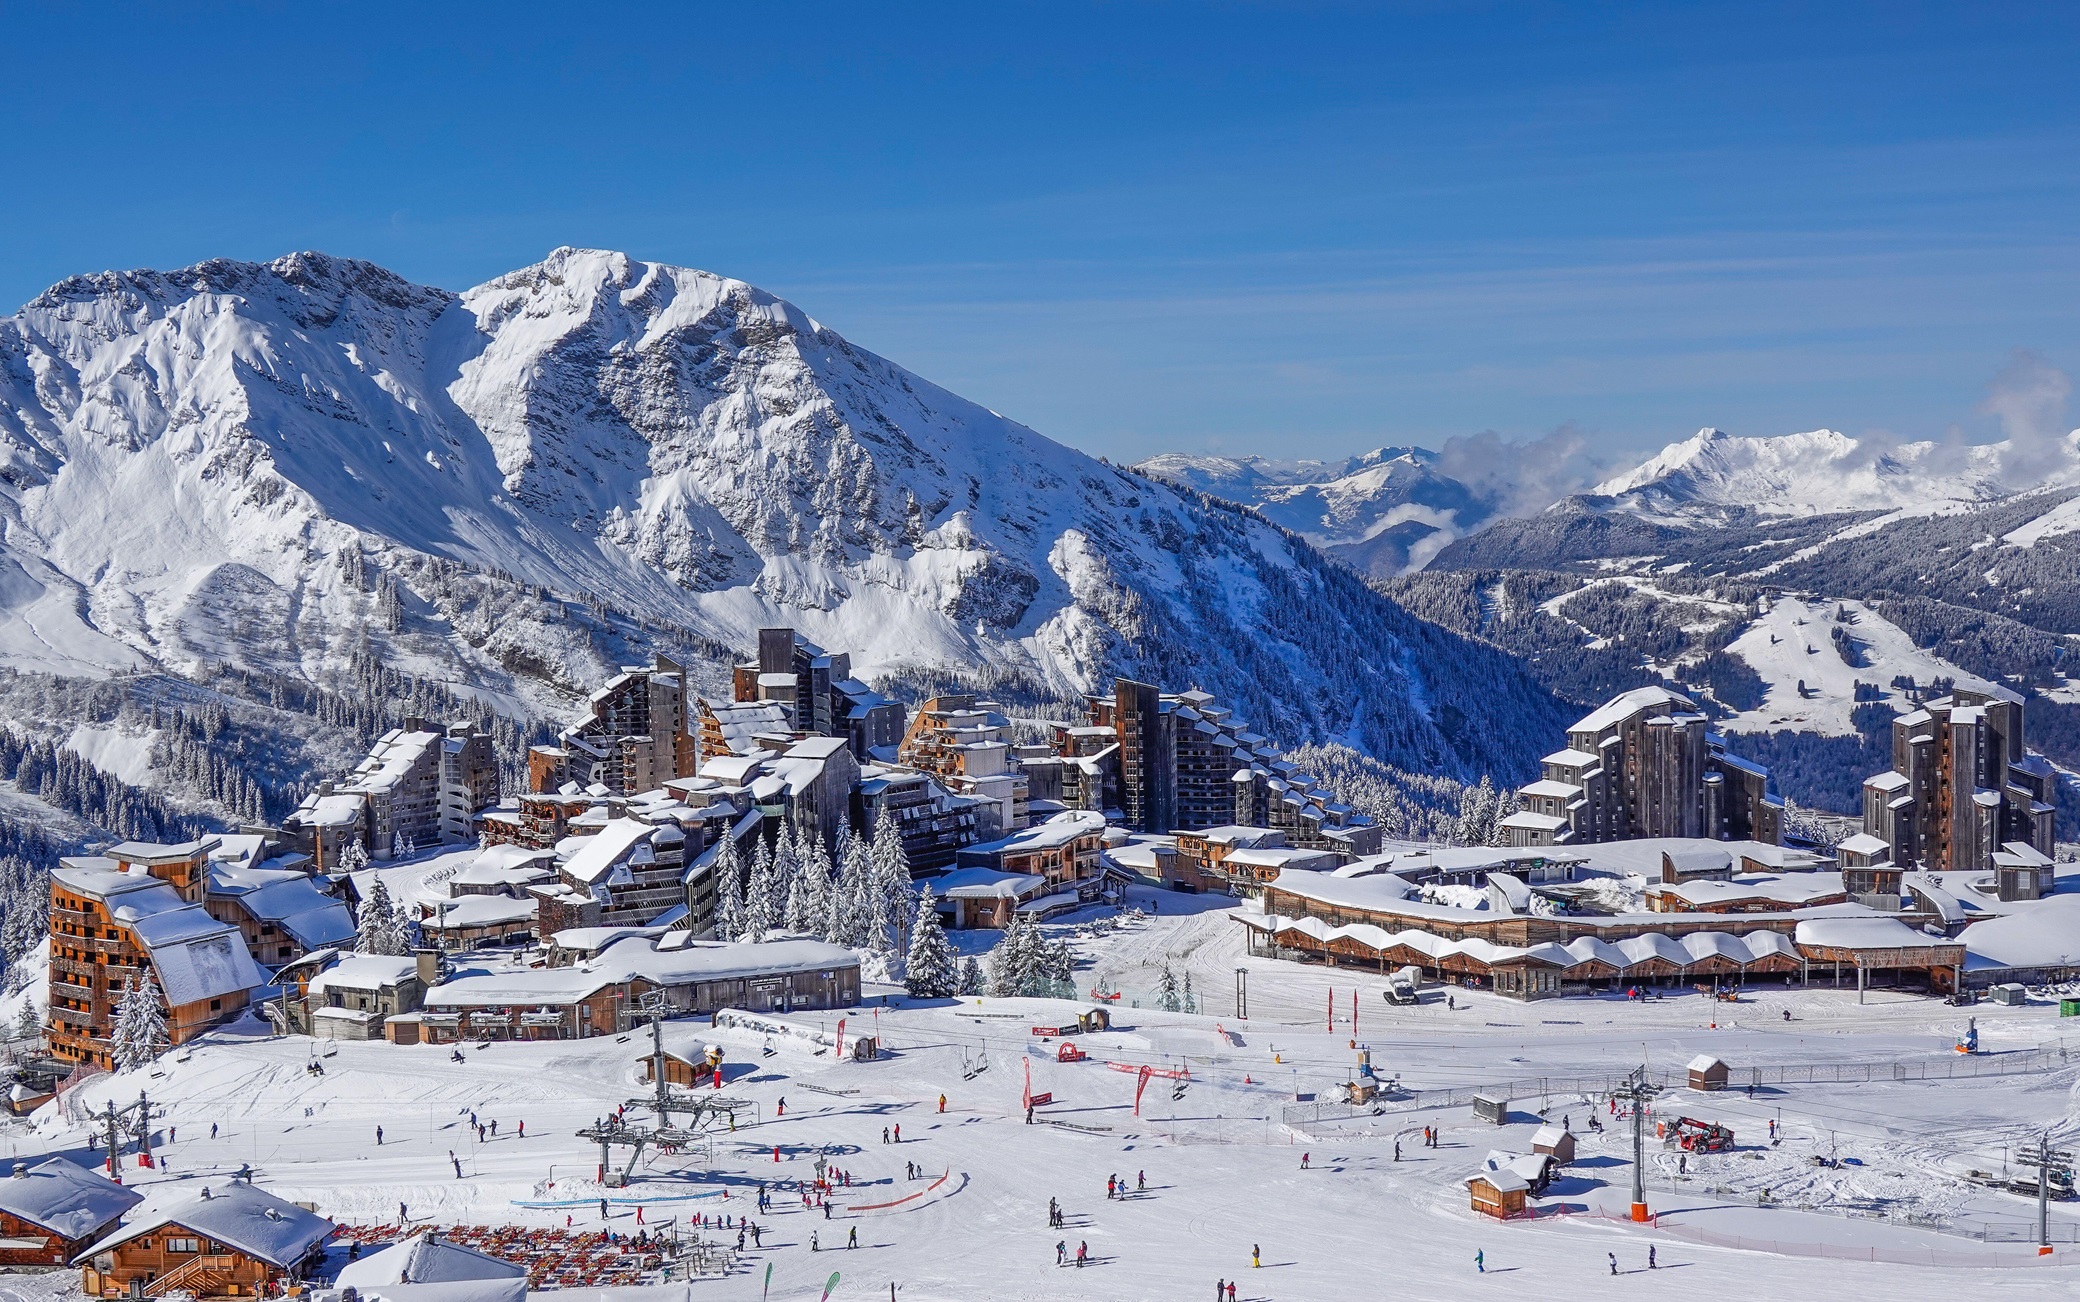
<point x="1177" y="1091"/>
<point x="769" y="1051"/>
<point x="973" y="1067"/>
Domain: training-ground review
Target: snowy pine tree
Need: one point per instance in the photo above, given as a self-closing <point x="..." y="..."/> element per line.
<point x="1054" y="968"/>
<point x="728" y="871"/>
<point x="787" y="861"/>
<point x="405" y="931"/>
<point x="759" y="916"/>
<point x="1011" y="962"/>
<point x="354" y="858"/>
<point x="30" y="1026"/>
<point x="140" y="1029"/>
<point x="971" y="978"/>
<point x="1191" y="1001"/>
<point x="809" y="899"/>
<point x="932" y="970"/>
<point x="891" y="879"/>
<point x="842" y="924"/>
<point x="1167" y="997"/>
<point x="378" y="929"/>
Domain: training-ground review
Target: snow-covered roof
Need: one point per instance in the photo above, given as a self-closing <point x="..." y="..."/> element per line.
<point x="2044" y="934"/>
<point x="597" y="854"/>
<point x="503" y="863"/>
<point x="1790" y="891"/>
<point x="425" y="1258"/>
<point x="232" y="1212"/>
<point x="1571" y="758"/>
<point x="1624" y="706"/>
<point x="1705" y="1062"/>
<point x="1552" y="788"/>
<point x="1864" y="933"/>
<point x="986" y="884"/>
<point x="464" y="911"/>
<point x="1503" y="1181"/>
<point x="206" y="968"/>
<point x="64" y="1197"/>
<point x="627" y="960"/>
<point x="473" y="1290"/>
<point x="365" y="972"/>
<point x="1863" y="843"/>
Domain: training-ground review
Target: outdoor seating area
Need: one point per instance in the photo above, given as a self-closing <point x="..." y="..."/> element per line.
<point x="553" y="1258"/>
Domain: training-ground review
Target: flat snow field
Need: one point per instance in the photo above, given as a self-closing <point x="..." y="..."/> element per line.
<point x="1223" y="1163"/>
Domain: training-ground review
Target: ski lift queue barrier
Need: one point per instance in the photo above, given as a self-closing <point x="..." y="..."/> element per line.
<point x="906" y="1198"/>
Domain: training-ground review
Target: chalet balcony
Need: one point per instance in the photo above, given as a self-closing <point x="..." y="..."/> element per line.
<point x="72" y="967"/>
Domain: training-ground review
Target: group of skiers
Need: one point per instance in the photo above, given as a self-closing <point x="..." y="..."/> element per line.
<point x="1117" y="1188"/>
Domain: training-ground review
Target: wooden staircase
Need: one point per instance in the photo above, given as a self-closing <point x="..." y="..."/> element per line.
<point x="203" y="1276"/>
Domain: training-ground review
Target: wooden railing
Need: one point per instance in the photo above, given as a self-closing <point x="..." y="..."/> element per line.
<point x="198" y="1275"/>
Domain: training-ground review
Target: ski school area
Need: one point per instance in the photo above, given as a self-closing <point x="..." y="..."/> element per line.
<point x="1449" y="1145"/>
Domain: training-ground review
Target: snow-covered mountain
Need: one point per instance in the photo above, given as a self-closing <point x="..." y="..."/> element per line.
<point x="303" y="465"/>
<point x="1384" y="512"/>
<point x="1824" y="472"/>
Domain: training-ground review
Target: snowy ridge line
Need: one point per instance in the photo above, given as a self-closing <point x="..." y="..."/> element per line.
<point x="1834" y="1073"/>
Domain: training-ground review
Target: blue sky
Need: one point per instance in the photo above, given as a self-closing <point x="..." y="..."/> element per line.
<point x="1298" y="229"/>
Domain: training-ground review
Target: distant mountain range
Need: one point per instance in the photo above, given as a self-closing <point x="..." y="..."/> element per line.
<point x="1395" y="510"/>
<point x="1382" y="512"/>
<point x="307" y="466"/>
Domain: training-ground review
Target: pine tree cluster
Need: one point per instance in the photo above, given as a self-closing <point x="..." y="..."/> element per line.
<point x="64" y="779"/>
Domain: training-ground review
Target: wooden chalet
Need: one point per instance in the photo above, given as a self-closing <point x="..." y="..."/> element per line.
<point x="52" y="1210"/>
<point x="207" y="1240"/>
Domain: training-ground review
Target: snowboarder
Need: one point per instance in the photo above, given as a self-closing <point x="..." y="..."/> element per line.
<point x="494" y="1127"/>
<point x="212" y="1130"/>
<point x="942" y="1103"/>
<point x="1053" y="1210"/>
<point x="1220" y="1289"/>
<point x="1083" y="1253"/>
<point x="379" y="1136"/>
<point x="1614" y="1263"/>
<point x="1029" y="1114"/>
<point x="1303" y="1160"/>
<point x="1110" y="1187"/>
<point x="1397" y="1150"/>
<point x="884" y="1134"/>
<point x="1231" y="1291"/>
<point x="523" y="1130"/>
<point x="783" y="1106"/>
<point x="1256" y="1256"/>
<point x="1480" y="1261"/>
<point x="899" y="1132"/>
<point x="1061" y="1252"/>
<point x="403" y="1213"/>
<point x="1140" y="1181"/>
<point x="603" y="1209"/>
<point x="826" y="1209"/>
<point x="458" y="1165"/>
<point x="852" y="1240"/>
<point x="812" y="1242"/>
<point x="1651" y="1264"/>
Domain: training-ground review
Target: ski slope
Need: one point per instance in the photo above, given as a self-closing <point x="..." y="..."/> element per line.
<point x="1223" y="1165"/>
